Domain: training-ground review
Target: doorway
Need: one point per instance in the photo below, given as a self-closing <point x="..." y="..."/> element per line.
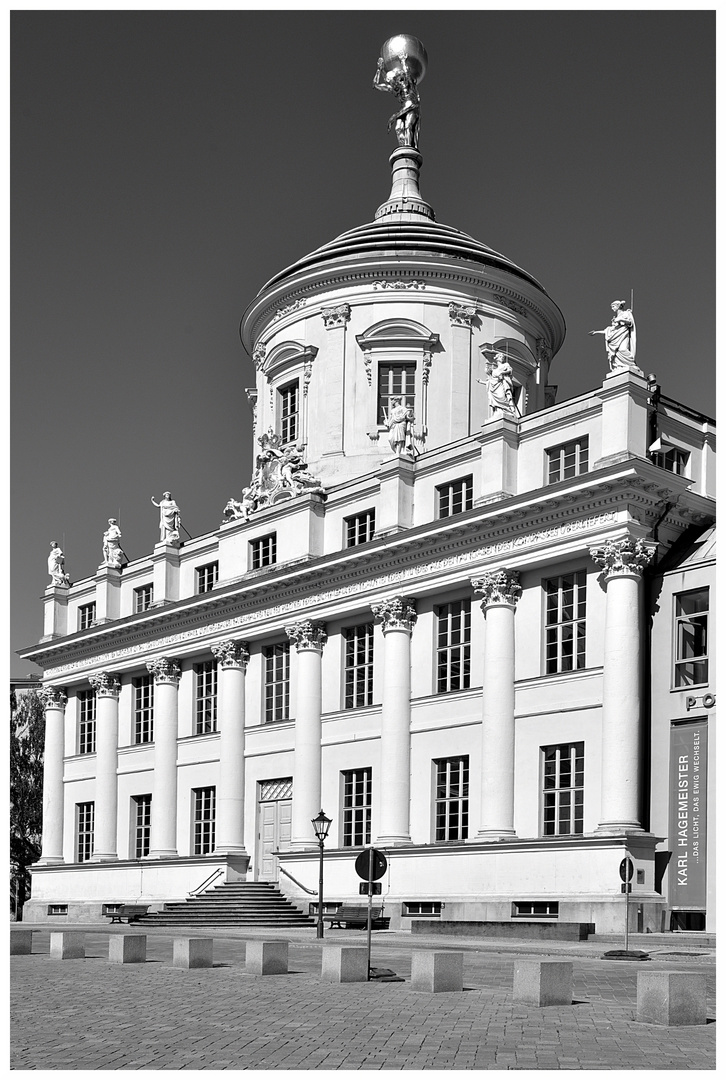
<point x="274" y="825"/>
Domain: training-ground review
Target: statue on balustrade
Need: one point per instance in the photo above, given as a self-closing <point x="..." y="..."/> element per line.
<point x="500" y="385"/>
<point x="113" y="554"/>
<point x="620" y="337"/>
<point x="169" y="519"/>
<point x="56" y="566"/>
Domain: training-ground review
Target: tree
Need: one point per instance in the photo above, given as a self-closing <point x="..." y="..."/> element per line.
<point x="27" y="735"/>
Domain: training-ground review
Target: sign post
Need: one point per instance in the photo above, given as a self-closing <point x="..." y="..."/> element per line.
<point x="626" y="873"/>
<point x="370" y="865"/>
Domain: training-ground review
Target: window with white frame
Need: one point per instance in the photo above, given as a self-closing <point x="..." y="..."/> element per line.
<point x="358" y="665"/>
<point x="673" y="460"/>
<point x="451" y="809"/>
<point x="207" y="577"/>
<point x="141" y="818"/>
<point x="563" y="790"/>
<point x="568" y="460"/>
<point x="453" y="646"/>
<point x="143" y="598"/>
<point x="86" y="616"/>
<point x="360" y="528"/>
<point x="86" y="721"/>
<point x="204" y="803"/>
<point x="357" y="785"/>
<point x="263" y="551"/>
<point x="206" y="680"/>
<point x="277" y="681"/>
<point x="289" y="412"/>
<point x="143" y="688"/>
<point x="565" y="622"/>
<point x="691" y="638"/>
<point x="395" y="381"/>
<point x="84" y="831"/>
<point x="455" y="496"/>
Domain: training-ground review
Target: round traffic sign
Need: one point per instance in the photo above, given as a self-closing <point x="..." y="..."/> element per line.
<point x="626" y="869"/>
<point x="371" y="864"/>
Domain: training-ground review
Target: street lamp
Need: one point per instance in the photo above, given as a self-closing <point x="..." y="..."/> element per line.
<point x="321" y="826"/>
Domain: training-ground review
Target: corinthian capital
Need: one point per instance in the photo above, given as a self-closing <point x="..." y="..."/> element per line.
<point x="498" y="587"/>
<point x="164" y="670"/>
<point x="231" y="654"/>
<point x="53" y="697"/>
<point x="396" y="613"/>
<point x="307" y="635"/>
<point x="462" y="314"/>
<point x="618" y="557"/>
<point x="105" y="684"/>
<point x="335" y="316"/>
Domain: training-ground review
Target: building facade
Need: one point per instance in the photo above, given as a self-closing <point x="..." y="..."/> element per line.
<point x="428" y="614"/>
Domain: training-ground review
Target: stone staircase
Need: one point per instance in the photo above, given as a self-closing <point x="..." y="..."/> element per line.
<point x="243" y="903"/>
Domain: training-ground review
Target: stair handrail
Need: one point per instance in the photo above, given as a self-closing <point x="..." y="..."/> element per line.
<point x="310" y="892"/>
<point x="207" y="881"/>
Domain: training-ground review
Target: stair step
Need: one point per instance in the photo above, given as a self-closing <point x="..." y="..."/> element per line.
<point x="232" y="904"/>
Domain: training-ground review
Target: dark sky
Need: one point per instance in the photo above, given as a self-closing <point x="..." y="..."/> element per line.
<point x="165" y="164"/>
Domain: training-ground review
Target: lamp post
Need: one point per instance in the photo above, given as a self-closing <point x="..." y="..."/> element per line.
<point x="321" y="826"/>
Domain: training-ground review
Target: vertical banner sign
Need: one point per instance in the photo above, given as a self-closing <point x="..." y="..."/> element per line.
<point x="688" y="774"/>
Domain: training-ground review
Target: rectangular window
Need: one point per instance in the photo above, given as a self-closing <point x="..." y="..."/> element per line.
<point x="84" y="831"/>
<point x="455" y="497"/>
<point x="360" y="528"/>
<point x="264" y="551"/>
<point x="142" y="825"/>
<point x="207" y="577"/>
<point x="289" y="412"/>
<point x="204" y="814"/>
<point x="422" y="908"/>
<point x="143" y="598"/>
<point x="674" y="460"/>
<point x="452" y="799"/>
<point x="357" y="784"/>
<point x="565" y="622"/>
<point x="143" y="709"/>
<point x="206" y="675"/>
<point x="691" y="644"/>
<point x="453" y="646"/>
<point x="86" y="722"/>
<point x="277" y="682"/>
<point x="86" y="616"/>
<point x="535" y="909"/>
<point x="358" y="665"/>
<point x="395" y="381"/>
<point x="563" y="777"/>
<point x="568" y="460"/>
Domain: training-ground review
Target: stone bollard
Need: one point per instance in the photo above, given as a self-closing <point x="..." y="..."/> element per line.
<point x="193" y="952"/>
<point x="543" y="982"/>
<point x="21" y="942"/>
<point x="266" y="957"/>
<point x="127" y="948"/>
<point x="671" y="998"/>
<point x="437" y="972"/>
<point x="65" y="945"/>
<point x="344" y="964"/>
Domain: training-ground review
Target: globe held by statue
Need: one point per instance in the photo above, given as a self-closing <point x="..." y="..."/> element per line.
<point x="408" y="48"/>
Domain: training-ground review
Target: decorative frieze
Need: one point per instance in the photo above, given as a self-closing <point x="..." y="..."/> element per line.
<point x="544" y="352"/>
<point x="164" y="669"/>
<point x="498" y="587"/>
<point x="230" y="654"/>
<point x="105" y="684"/>
<point x="307" y="635"/>
<point x="399" y="285"/>
<point x="505" y="301"/>
<point x="462" y="314"/>
<point x="258" y="355"/>
<point x="616" y="557"/>
<point x="53" y="697"/>
<point x="396" y="613"/>
<point x="289" y="308"/>
<point x="335" y="316"/>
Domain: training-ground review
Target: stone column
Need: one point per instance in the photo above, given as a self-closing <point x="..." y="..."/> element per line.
<point x="501" y="591"/>
<point x="54" y="702"/>
<point x="398" y="616"/>
<point x="232" y="658"/>
<point x="309" y="639"/>
<point x="163" y="804"/>
<point x="105" y="820"/>
<point x="622" y="562"/>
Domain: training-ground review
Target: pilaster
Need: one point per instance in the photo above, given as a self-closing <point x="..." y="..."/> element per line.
<point x="55" y="611"/>
<point x="165" y="561"/>
<point x="462" y="318"/>
<point x="331" y="397"/>
<point x="499" y="442"/>
<point x="395" y="506"/>
<point x="625" y="413"/>
<point x="108" y="594"/>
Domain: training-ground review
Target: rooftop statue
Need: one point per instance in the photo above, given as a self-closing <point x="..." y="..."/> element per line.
<point x="281" y="473"/>
<point x="401" y="66"/>
<point x="500" y="385"/>
<point x="113" y="554"/>
<point x="400" y="427"/>
<point x="56" y="566"/>
<point x="620" y="337"/>
<point x="169" y="519"/>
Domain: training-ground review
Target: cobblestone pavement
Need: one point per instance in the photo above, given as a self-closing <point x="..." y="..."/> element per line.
<point x="89" y="1014"/>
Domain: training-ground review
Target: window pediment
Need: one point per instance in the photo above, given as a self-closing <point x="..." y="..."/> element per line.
<point x="286" y="357"/>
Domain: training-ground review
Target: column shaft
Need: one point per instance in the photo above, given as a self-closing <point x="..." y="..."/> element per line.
<point x="309" y="639"/>
<point x="106" y="797"/>
<point x="55" y="702"/>
<point x="163" y="803"/>
<point x="230" y="831"/>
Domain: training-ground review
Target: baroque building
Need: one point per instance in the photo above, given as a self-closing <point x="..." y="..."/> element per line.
<point x="429" y="613"/>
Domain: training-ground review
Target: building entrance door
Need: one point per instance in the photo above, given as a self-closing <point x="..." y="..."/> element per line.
<point x="274" y="825"/>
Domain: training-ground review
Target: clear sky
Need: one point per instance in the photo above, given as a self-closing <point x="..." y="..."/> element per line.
<point x="166" y="164"/>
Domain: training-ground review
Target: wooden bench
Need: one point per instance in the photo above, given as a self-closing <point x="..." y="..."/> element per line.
<point x="130" y="912"/>
<point x="356" y="915"/>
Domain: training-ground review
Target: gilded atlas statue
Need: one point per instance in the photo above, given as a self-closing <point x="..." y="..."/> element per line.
<point x="401" y="67"/>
